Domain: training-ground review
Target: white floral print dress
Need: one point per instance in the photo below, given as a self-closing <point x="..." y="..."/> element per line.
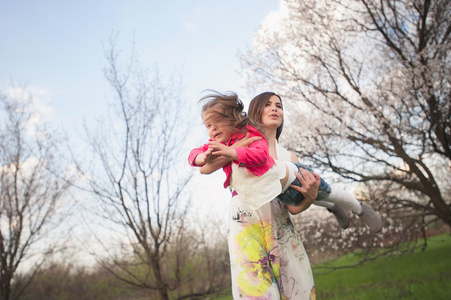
<point x="268" y="259"/>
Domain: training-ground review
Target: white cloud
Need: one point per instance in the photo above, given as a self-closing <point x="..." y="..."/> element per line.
<point x="36" y="97"/>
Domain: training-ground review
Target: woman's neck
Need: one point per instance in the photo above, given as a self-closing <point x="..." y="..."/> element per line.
<point x="271" y="137"/>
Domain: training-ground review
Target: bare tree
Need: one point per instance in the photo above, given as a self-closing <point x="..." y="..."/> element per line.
<point x="371" y="84"/>
<point x="32" y="189"/>
<point x="140" y="178"/>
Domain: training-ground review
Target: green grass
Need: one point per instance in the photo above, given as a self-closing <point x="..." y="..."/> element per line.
<point x="224" y="297"/>
<point x="418" y="275"/>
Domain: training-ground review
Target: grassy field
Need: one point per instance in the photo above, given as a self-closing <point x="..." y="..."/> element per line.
<point x="417" y="275"/>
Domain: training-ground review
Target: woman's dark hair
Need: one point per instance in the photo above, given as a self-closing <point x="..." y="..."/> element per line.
<point x="256" y="108"/>
<point x="230" y="108"/>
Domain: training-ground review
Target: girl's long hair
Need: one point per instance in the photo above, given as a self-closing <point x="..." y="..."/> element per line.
<point x="230" y="108"/>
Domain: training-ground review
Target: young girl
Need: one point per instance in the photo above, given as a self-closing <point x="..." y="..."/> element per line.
<point x="252" y="172"/>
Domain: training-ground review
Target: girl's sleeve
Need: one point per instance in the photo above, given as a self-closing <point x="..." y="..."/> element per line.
<point x="195" y="152"/>
<point x="256" y="155"/>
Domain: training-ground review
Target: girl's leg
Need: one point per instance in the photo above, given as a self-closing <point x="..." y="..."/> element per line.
<point x="339" y="212"/>
<point x="364" y="211"/>
<point x="344" y="199"/>
<point x="326" y="204"/>
<point x="293" y="197"/>
<point x="290" y="176"/>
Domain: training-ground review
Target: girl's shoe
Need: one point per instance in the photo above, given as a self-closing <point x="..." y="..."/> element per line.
<point x="370" y="218"/>
<point x="341" y="215"/>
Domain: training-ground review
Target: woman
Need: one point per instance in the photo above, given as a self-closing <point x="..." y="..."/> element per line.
<point x="268" y="259"/>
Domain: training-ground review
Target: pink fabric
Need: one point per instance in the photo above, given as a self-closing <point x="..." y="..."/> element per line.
<point x="195" y="152"/>
<point x="255" y="158"/>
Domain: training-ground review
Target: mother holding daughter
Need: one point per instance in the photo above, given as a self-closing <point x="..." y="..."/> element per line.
<point x="268" y="259"/>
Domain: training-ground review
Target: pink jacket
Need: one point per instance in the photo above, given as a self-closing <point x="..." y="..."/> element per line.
<point x="255" y="159"/>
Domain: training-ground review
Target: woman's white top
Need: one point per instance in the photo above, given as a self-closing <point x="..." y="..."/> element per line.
<point x="259" y="190"/>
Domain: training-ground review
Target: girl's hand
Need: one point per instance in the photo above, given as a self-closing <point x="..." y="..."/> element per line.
<point x="217" y="162"/>
<point x="219" y="149"/>
<point x="204" y="158"/>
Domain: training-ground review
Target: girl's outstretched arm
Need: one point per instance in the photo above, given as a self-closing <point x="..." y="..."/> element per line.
<point x="218" y="162"/>
<point x="202" y="158"/>
<point x="219" y="149"/>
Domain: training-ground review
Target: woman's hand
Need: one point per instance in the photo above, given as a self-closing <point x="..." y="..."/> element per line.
<point x="310" y="183"/>
<point x="216" y="162"/>
<point x="246" y="141"/>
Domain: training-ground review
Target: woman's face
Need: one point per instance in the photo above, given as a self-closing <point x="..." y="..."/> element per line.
<point x="272" y="115"/>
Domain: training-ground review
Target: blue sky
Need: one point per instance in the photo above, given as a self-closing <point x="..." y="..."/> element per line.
<point x="55" y="46"/>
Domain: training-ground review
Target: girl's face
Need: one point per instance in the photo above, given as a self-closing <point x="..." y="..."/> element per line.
<point x="218" y="130"/>
<point x="272" y="115"/>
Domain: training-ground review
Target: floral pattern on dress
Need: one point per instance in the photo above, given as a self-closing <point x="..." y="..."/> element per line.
<point x="268" y="259"/>
<point x="260" y="267"/>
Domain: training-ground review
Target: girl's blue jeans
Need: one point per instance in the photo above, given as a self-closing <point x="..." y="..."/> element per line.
<point x="293" y="197"/>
